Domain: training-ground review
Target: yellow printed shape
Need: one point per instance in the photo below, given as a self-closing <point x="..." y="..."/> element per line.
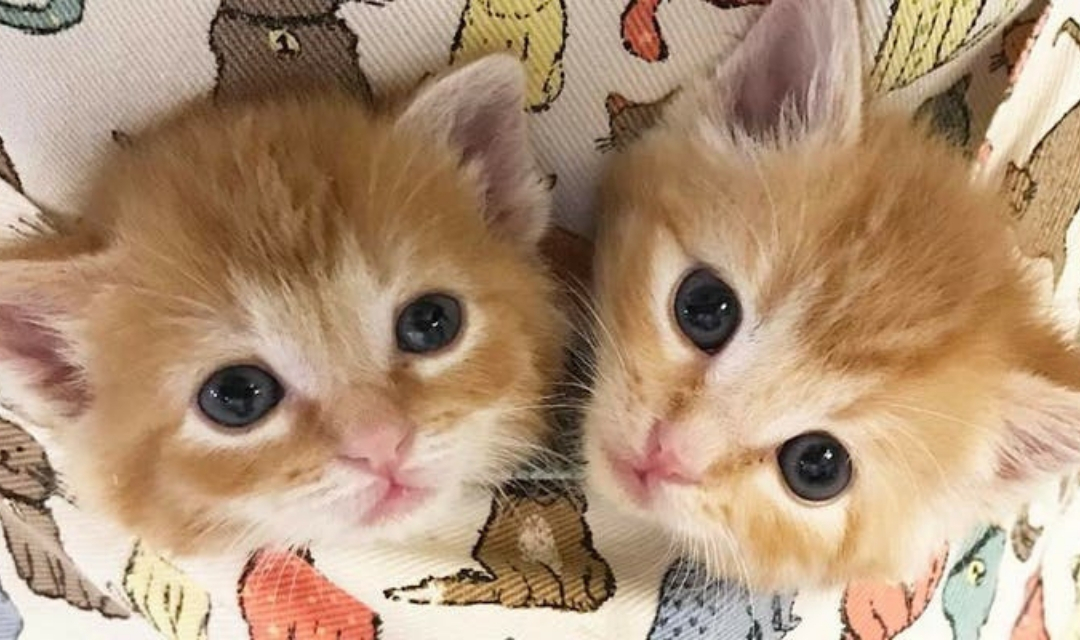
<point x="170" y="601"/>
<point x="922" y="35"/>
<point x="535" y="30"/>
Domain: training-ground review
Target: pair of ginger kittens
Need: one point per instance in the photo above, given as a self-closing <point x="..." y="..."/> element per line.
<point x="816" y="352"/>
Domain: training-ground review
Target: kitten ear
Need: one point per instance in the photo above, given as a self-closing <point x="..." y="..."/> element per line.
<point x="479" y="111"/>
<point x="1041" y="439"/>
<point x="798" y="72"/>
<point x="40" y="303"/>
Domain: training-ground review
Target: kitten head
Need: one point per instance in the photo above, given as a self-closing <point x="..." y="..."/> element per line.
<point x="819" y="355"/>
<point x="296" y="320"/>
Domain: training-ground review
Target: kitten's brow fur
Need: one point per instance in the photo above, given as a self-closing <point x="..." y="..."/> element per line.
<point x="883" y="301"/>
<point x="294" y="230"/>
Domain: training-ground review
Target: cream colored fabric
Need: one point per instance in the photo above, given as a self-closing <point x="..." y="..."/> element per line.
<point x="72" y="73"/>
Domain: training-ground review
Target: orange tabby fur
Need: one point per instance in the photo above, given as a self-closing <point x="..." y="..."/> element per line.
<point x="286" y="232"/>
<point x="884" y="303"/>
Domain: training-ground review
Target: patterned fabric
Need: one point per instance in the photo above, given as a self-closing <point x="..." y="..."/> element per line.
<point x="538" y="561"/>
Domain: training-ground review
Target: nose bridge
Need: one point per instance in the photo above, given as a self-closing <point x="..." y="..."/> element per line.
<point x="358" y="406"/>
<point x="370" y="425"/>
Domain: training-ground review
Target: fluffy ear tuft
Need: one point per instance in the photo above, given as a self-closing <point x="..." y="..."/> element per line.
<point x="40" y="301"/>
<point x="1041" y="435"/>
<point x="797" y="72"/>
<point x="479" y="111"/>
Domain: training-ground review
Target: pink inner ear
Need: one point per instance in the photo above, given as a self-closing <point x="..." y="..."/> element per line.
<point x="41" y="352"/>
<point x="491" y="138"/>
<point x="1034" y="450"/>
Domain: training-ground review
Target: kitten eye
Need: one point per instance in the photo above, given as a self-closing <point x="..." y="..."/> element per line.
<point x="707" y="310"/>
<point x="815" y="466"/>
<point x="428" y="323"/>
<point x="239" y="395"/>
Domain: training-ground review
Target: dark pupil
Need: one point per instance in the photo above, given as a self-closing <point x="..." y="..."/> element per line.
<point x="818" y="464"/>
<point x="815" y="466"/>
<point x="238" y="394"/>
<point x="707" y="308"/>
<point x="428" y="323"/>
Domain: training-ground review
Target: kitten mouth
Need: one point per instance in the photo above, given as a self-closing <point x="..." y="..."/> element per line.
<point x="395" y="500"/>
<point x="645" y="480"/>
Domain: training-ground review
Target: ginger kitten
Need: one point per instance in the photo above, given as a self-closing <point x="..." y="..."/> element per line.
<point x="819" y="355"/>
<point x="295" y="320"/>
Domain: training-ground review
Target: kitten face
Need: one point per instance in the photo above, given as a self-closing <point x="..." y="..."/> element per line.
<point x="819" y="356"/>
<point x="309" y="323"/>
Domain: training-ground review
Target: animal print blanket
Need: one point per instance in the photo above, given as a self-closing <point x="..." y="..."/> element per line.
<point x="539" y="561"/>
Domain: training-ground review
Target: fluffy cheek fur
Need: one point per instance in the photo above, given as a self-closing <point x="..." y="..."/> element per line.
<point x="881" y="302"/>
<point x="290" y="235"/>
<point x="148" y="456"/>
<point x="922" y="411"/>
<point x="921" y="442"/>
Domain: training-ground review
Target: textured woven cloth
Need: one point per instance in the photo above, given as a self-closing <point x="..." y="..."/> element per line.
<point x="541" y="561"/>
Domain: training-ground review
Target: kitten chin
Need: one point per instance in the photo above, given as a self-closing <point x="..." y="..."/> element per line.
<point x="296" y="320"/>
<point x="819" y="354"/>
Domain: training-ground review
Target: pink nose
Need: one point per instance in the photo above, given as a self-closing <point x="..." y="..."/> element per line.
<point x="380" y="449"/>
<point x="660" y="463"/>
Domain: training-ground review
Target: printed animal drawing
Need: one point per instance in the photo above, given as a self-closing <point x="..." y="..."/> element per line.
<point x="969" y="590"/>
<point x="694" y="606"/>
<point x="922" y="35"/>
<point x="1024" y="535"/>
<point x="175" y="606"/>
<point x="1031" y="623"/>
<point x="1070" y="28"/>
<point x="282" y="596"/>
<point x="1045" y="191"/>
<point x="535" y="550"/>
<point x="881" y="611"/>
<point x="640" y="28"/>
<point x="628" y="120"/>
<point x="11" y="623"/>
<point x="948" y="113"/>
<point x="1014" y="40"/>
<point x="266" y="46"/>
<point x="41" y="18"/>
<point x="7" y="169"/>
<point x="535" y="30"/>
<point x="27" y="481"/>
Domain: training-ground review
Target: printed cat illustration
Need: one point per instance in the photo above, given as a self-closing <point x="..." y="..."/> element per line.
<point x="41" y="18"/>
<point x="640" y="28"/>
<point x="1031" y="623"/>
<point x="535" y="30"/>
<point x="881" y="611"/>
<point x="948" y="113"/>
<point x="1014" y="40"/>
<point x="27" y="481"/>
<point x="628" y="119"/>
<point x="11" y="623"/>
<point x="7" y="169"/>
<point x="695" y="607"/>
<point x="922" y="35"/>
<point x="171" y="602"/>
<point x="1045" y="191"/>
<point x="535" y="550"/>
<point x="271" y="45"/>
<point x="1071" y="29"/>
<point x="1024" y="535"/>
<point x="972" y="584"/>
<point x="282" y="596"/>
